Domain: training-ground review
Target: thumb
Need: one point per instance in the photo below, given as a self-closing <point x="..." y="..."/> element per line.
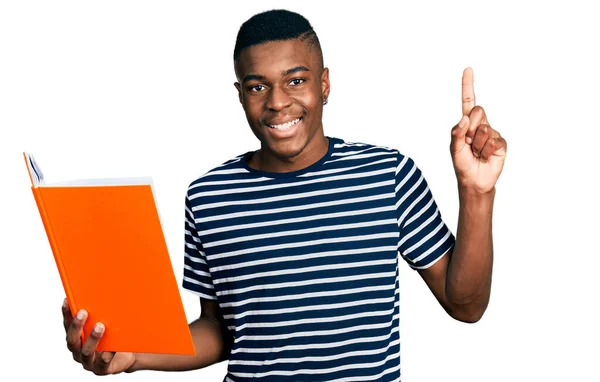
<point x="459" y="135"/>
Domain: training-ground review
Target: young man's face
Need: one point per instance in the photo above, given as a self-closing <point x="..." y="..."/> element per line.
<point x="282" y="86"/>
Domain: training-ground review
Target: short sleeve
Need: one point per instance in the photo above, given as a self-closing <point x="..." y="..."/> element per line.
<point x="196" y="274"/>
<point x="424" y="237"/>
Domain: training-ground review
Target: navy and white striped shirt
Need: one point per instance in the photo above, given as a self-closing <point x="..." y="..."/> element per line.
<point x="304" y="265"/>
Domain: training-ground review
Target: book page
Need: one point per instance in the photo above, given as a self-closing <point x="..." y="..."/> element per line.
<point x="132" y="181"/>
<point x="35" y="172"/>
<point x="37" y="178"/>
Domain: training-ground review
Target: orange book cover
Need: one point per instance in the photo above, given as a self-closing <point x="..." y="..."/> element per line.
<point x="112" y="258"/>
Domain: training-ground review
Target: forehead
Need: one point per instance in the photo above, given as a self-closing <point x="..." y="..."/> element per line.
<point x="274" y="57"/>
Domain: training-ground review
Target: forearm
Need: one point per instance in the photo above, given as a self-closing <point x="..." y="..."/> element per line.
<point x="211" y="348"/>
<point x="469" y="275"/>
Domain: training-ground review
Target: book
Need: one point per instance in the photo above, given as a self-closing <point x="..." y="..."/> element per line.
<point x="111" y="254"/>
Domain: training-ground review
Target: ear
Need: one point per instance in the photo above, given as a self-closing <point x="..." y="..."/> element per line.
<point x="325" y="85"/>
<point x="239" y="89"/>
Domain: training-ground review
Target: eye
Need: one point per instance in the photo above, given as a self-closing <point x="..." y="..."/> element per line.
<point x="256" y="88"/>
<point x="296" y="81"/>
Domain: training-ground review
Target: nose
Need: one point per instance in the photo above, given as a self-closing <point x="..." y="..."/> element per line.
<point x="278" y="99"/>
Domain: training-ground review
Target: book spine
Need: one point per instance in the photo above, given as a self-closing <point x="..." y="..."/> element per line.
<point x="37" y="193"/>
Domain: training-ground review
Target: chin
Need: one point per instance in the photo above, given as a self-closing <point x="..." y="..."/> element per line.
<point x="287" y="149"/>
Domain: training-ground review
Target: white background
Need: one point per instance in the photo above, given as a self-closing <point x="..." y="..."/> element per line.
<point x="145" y="88"/>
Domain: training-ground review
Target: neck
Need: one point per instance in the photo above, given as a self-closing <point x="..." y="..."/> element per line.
<point x="266" y="160"/>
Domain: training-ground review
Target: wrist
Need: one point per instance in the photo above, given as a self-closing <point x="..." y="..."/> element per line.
<point x="466" y="192"/>
<point x="474" y="199"/>
<point x="136" y="365"/>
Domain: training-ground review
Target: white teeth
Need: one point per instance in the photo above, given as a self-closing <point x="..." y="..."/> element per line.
<point x="287" y="125"/>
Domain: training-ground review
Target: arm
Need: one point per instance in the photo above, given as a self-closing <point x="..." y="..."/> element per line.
<point x="211" y="340"/>
<point x="461" y="281"/>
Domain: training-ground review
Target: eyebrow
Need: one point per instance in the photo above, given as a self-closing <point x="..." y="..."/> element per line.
<point x="296" y="69"/>
<point x="258" y="77"/>
<point x="251" y="77"/>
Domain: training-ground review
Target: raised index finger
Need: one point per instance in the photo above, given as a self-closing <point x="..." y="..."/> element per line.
<point x="468" y="92"/>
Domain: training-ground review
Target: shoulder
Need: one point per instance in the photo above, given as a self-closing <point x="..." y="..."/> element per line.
<point x="365" y="150"/>
<point x="226" y="171"/>
<point x="347" y="148"/>
<point x="405" y="169"/>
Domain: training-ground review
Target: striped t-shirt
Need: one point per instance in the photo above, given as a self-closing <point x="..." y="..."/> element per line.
<point x="304" y="265"/>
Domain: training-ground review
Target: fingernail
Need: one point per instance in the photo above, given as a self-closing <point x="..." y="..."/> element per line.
<point x="65" y="303"/>
<point x="81" y="314"/>
<point x="99" y="328"/>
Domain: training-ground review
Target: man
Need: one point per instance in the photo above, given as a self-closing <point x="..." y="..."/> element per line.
<point x="293" y="249"/>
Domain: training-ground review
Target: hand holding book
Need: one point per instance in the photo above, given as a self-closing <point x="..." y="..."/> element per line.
<point x="101" y="363"/>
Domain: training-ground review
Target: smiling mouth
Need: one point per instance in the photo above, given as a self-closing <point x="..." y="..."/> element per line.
<point x="287" y="125"/>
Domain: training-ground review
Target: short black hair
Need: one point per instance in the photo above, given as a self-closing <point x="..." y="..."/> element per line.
<point x="275" y="25"/>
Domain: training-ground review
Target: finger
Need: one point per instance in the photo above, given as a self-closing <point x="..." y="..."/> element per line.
<point x="482" y="135"/>
<point x="500" y="147"/>
<point x="458" y="134"/>
<point x="494" y="133"/>
<point x="67" y="315"/>
<point x="88" y="350"/>
<point x="476" y="118"/>
<point x="494" y="147"/>
<point x="468" y="91"/>
<point x="74" y="332"/>
<point x="106" y="357"/>
<point x="102" y="362"/>
<point x="488" y="149"/>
